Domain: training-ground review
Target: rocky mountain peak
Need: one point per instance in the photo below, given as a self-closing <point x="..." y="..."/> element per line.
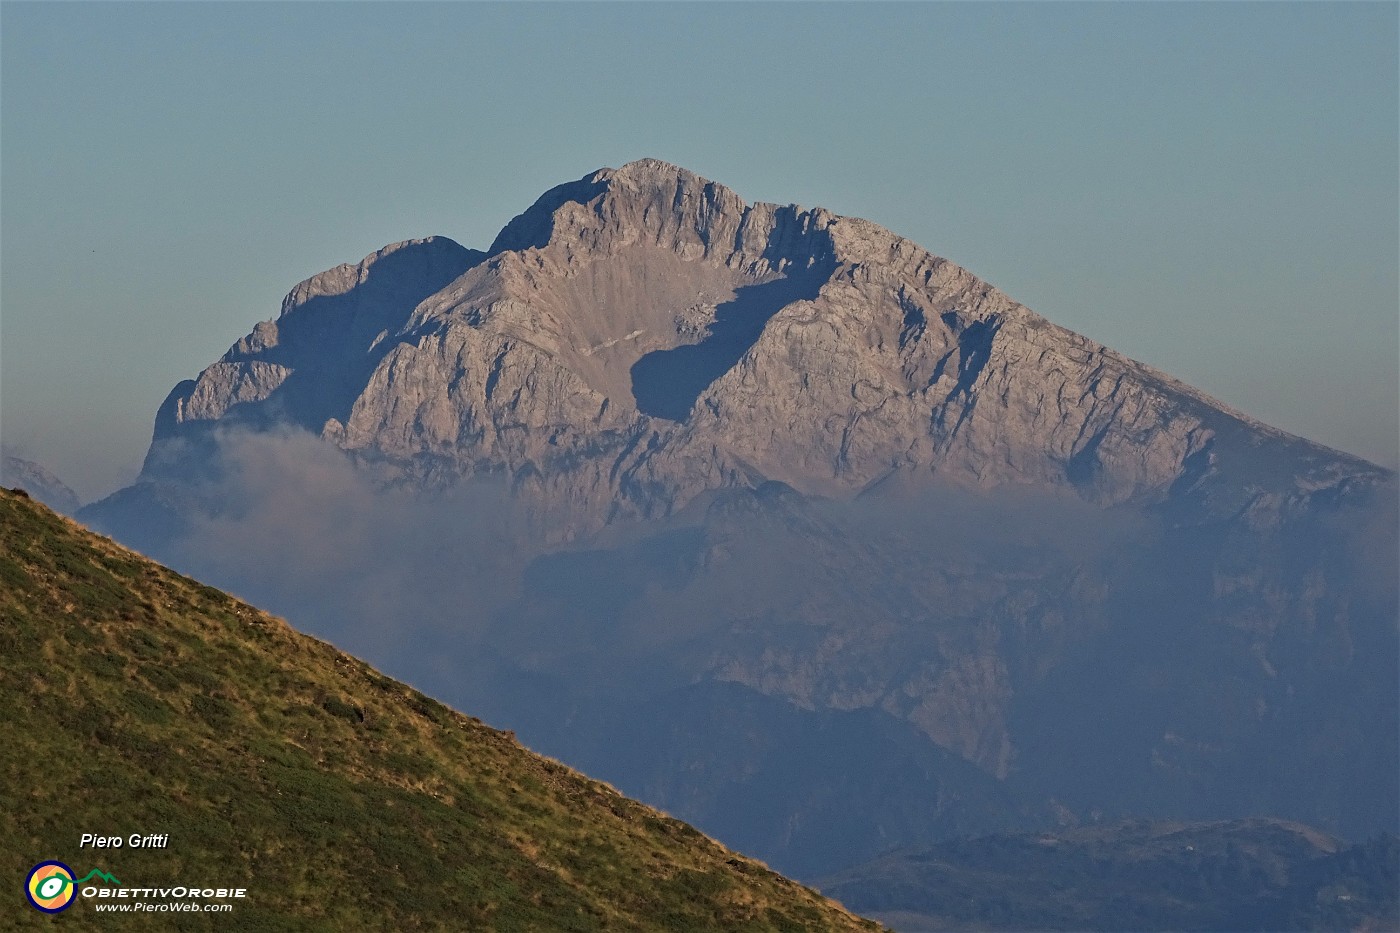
<point x="642" y="335"/>
<point x="650" y="203"/>
<point x="654" y="173"/>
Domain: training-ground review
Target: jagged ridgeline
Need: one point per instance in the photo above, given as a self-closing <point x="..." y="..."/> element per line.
<point x="135" y="699"/>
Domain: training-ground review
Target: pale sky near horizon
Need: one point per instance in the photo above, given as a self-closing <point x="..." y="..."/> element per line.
<point x="1209" y="188"/>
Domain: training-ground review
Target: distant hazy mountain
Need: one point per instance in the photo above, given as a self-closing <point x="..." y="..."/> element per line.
<point x="830" y="546"/>
<point x="39" y="483"/>
<point x="339" y="798"/>
<point x="1235" y="876"/>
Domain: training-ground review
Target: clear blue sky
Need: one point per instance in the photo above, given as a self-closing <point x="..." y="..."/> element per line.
<point x="1209" y="188"/>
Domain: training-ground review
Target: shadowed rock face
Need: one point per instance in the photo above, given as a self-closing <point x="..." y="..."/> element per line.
<point x="667" y="383"/>
<point x="797" y="456"/>
<point x="306" y="367"/>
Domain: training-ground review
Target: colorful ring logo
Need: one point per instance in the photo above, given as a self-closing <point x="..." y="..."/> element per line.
<point x="50" y="887"/>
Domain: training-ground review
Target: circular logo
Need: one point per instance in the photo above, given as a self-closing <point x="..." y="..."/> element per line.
<point x="50" y="887"/>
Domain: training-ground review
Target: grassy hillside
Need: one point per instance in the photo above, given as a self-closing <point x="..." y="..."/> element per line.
<point x="135" y="700"/>
<point x="1238" y="875"/>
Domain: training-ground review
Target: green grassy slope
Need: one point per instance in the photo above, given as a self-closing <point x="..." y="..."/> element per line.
<point x="135" y="700"/>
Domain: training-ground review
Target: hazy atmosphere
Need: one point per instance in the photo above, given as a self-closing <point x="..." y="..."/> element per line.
<point x="933" y="463"/>
<point x="1210" y="189"/>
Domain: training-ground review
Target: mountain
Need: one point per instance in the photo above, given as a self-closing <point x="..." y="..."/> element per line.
<point x="135" y="700"/>
<point x="39" y="483"/>
<point x="643" y="335"/>
<point x="788" y="526"/>
<point x="1264" y="875"/>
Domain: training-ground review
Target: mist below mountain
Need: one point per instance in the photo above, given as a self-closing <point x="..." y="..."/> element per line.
<point x="779" y="522"/>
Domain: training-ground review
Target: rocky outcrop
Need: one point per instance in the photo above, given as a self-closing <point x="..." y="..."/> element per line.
<point x="306" y="367"/>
